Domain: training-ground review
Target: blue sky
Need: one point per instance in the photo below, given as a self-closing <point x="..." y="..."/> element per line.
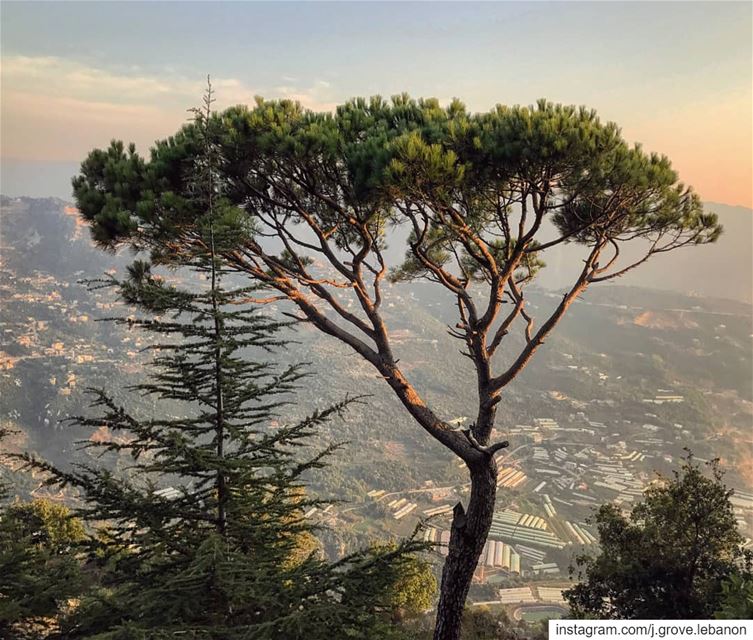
<point x="676" y="76"/>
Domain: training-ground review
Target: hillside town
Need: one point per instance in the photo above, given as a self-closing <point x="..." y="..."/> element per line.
<point x="571" y="455"/>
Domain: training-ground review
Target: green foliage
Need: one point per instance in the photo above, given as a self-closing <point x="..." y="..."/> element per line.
<point x="669" y="558"/>
<point x="415" y="588"/>
<point x="453" y="177"/>
<point x="482" y="623"/>
<point x="737" y="598"/>
<point x="39" y="568"/>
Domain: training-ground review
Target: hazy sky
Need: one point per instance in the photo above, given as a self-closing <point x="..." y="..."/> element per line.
<point x="676" y="76"/>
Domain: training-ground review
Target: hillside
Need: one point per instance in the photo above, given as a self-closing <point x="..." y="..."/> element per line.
<point x="619" y="349"/>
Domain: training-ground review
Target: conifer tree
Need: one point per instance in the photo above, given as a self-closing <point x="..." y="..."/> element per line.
<point x="483" y="198"/>
<point x="39" y="569"/>
<point x="203" y="537"/>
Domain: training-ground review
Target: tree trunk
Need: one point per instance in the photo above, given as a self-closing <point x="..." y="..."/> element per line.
<point x="467" y="537"/>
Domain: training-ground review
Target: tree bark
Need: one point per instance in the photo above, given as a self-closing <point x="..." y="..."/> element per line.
<point x="467" y="538"/>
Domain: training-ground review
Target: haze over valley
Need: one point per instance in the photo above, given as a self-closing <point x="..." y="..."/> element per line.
<point x="634" y="376"/>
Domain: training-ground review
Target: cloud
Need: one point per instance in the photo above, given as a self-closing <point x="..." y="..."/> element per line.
<point x="56" y="109"/>
<point x="57" y="77"/>
<point x="318" y="96"/>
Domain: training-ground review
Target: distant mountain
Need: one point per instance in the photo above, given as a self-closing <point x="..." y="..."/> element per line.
<point x="48" y="235"/>
<point x="721" y="270"/>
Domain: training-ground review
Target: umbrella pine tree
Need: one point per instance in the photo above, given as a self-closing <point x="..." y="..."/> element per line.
<point x="478" y="200"/>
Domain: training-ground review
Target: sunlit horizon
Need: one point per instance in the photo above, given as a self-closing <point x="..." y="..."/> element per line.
<point x="676" y="77"/>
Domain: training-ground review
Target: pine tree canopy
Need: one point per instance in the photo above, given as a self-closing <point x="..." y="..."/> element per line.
<point x="449" y="174"/>
<point x="39" y="570"/>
